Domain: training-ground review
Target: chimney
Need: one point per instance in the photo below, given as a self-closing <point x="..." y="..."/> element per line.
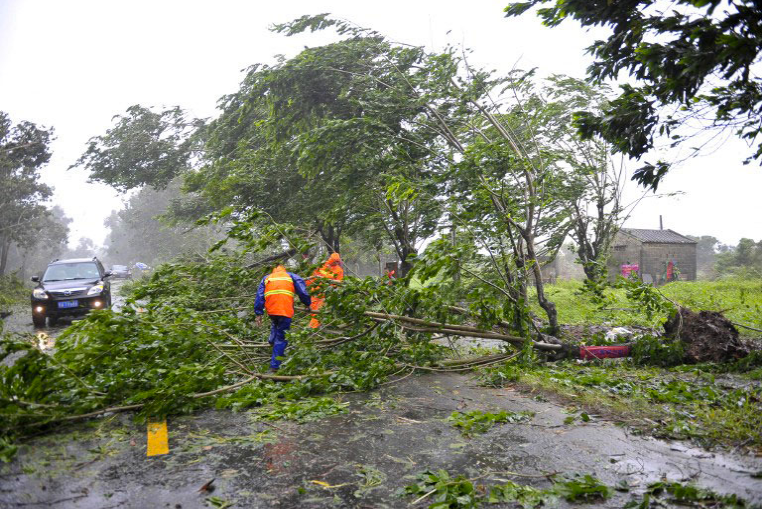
<point x="661" y="223"/>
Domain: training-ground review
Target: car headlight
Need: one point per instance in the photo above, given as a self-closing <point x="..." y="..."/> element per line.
<point x="95" y="290"/>
<point x="39" y="293"/>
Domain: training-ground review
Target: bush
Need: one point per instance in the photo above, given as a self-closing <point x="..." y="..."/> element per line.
<point x="12" y="291"/>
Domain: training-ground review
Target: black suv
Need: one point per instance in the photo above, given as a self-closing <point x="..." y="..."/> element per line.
<point x="70" y="288"/>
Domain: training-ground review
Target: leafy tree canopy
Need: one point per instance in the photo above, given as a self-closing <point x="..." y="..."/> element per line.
<point x="691" y="62"/>
<point x="24" y="149"/>
<point x="317" y="139"/>
<point x="143" y="148"/>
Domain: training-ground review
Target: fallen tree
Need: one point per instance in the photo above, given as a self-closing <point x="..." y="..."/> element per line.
<point x="192" y="343"/>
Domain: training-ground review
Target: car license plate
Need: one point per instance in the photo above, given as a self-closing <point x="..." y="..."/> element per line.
<point x="68" y="304"/>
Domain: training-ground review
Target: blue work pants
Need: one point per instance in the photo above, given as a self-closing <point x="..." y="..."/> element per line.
<point x="280" y="324"/>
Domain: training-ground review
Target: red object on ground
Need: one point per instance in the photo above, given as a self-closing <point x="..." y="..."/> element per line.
<point x="604" y="352"/>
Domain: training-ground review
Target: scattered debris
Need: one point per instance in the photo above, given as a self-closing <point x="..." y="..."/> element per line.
<point x="619" y="333"/>
<point x="208" y="487"/>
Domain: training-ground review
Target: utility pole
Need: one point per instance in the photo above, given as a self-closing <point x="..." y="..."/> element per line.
<point x="661" y="223"/>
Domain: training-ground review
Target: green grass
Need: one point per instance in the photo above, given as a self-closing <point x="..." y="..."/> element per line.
<point x="740" y="300"/>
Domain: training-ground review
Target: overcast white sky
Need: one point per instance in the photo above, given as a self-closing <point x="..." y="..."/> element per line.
<point x="74" y="64"/>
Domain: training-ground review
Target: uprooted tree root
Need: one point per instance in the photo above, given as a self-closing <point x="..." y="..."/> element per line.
<point x="706" y="336"/>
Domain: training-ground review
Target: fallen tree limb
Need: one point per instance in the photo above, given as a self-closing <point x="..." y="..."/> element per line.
<point x="461" y="330"/>
<point x="746" y="326"/>
<point x="228" y="388"/>
<point x="502" y="323"/>
<point x="279" y="256"/>
<point x="473" y="360"/>
<point x="247" y="345"/>
<point x="327" y="343"/>
<point x="450" y="369"/>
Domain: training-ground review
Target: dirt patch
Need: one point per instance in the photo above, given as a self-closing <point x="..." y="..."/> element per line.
<point x="707" y="335"/>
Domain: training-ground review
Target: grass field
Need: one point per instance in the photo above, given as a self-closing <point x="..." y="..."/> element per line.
<point x="740" y="300"/>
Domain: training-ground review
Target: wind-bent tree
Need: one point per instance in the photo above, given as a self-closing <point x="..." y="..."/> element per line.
<point x="247" y="169"/>
<point x="693" y="62"/>
<point x="509" y="190"/>
<point x="452" y="115"/>
<point x="318" y="140"/>
<point x="143" y="148"/>
<point x="24" y="150"/>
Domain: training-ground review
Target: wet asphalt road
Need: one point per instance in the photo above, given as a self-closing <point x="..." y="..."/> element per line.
<point x="363" y="458"/>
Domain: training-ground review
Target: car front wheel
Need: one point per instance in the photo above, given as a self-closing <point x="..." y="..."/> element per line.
<point x="52" y="321"/>
<point x="38" y="320"/>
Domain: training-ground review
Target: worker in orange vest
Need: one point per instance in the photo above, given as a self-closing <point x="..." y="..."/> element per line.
<point x="331" y="269"/>
<point x="276" y="295"/>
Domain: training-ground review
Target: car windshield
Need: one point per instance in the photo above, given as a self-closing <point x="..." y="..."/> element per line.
<point x="69" y="271"/>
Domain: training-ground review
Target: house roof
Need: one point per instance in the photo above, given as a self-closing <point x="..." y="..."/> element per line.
<point x="658" y="236"/>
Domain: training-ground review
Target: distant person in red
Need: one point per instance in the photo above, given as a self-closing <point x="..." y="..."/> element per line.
<point x="331" y="269"/>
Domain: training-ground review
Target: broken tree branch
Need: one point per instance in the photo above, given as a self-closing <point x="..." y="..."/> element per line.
<point x="279" y="256"/>
<point x="461" y="330"/>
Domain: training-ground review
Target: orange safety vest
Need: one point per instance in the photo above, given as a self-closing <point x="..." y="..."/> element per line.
<point x="331" y="269"/>
<point x="279" y="293"/>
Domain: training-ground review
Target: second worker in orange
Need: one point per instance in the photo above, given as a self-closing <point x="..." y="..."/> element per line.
<point x="332" y="270"/>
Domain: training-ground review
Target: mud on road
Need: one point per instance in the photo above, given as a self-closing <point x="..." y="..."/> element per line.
<point x="360" y="459"/>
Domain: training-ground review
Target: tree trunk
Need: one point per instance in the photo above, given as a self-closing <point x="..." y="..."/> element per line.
<point x="548" y="306"/>
<point x="405" y="267"/>
<point x="517" y="289"/>
<point x="22" y="270"/>
<point x="5" y="246"/>
<point x="401" y="238"/>
<point x="331" y="236"/>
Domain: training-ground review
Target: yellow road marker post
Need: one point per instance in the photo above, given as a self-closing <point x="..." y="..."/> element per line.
<point x="158" y="442"/>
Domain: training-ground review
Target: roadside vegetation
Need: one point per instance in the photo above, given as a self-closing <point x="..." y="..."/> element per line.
<point x="12" y="291"/>
<point x="441" y="490"/>
<point x="192" y="343"/>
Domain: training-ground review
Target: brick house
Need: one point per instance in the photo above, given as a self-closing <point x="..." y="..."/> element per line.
<point x="659" y="256"/>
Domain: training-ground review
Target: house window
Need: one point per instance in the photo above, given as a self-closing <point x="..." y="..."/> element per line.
<point x="620" y="248"/>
